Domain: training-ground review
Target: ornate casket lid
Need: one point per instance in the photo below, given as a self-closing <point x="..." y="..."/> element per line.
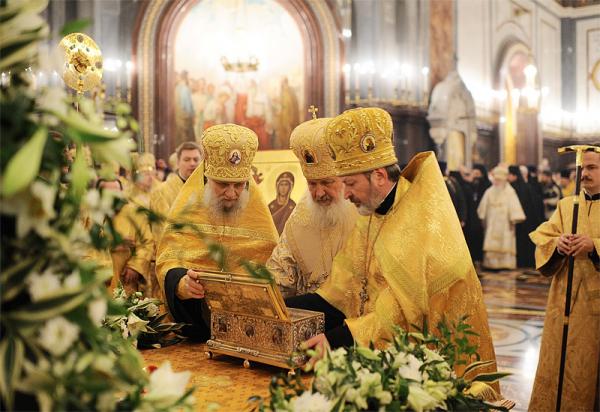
<point x="243" y="294"/>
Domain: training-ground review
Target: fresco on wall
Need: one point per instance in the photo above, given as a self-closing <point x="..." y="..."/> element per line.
<point x="268" y="100"/>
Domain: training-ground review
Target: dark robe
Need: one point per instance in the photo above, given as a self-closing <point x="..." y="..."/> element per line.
<point x="472" y="223"/>
<point x="193" y="312"/>
<point x="458" y="198"/>
<point x="337" y="332"/>
<point x="525" y="247"/>
<point x="537" y="191"/>
<point x="480" y="185"/>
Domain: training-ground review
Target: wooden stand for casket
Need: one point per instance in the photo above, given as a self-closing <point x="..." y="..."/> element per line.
<point x="249" y="320"/>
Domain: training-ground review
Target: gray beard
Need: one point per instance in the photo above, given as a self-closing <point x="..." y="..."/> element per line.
<point x="215" y="206"/>
<point x="327" y="216"/>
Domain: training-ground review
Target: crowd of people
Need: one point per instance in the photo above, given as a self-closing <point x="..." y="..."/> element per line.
<point x="498" y="209"/>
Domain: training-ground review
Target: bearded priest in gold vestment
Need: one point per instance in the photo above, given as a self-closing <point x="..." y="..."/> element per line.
<point x="554" y="244"/>
<point x="219" y="203"/>
<point x="406" y="260"/>
<point x="320" y="223"/>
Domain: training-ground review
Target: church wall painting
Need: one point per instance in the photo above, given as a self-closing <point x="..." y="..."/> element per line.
<point x="270" y="100"/>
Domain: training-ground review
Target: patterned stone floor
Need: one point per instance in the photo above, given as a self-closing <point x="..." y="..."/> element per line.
<point x="515" y="305"/>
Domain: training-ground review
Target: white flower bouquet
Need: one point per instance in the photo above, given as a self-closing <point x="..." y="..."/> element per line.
<point x="415" y="373"/>
<point x="143" y="321"/>
<point x="54" y="352"/>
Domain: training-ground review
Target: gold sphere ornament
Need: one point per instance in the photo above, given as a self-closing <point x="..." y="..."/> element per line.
<point x="82" y="62"/>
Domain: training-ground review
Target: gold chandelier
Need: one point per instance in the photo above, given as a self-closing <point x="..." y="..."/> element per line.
<point x="240" y="66"/>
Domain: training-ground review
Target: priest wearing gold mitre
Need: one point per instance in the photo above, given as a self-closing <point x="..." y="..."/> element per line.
<point x="554" y="243"/>
<point x="406" y="260"/>
<point x="321" y="222"/>
<point x="131" y="260"/>
<point x="219" y="203"/>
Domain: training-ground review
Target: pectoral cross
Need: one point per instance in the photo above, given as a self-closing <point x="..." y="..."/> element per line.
<point x="313" y="110"/>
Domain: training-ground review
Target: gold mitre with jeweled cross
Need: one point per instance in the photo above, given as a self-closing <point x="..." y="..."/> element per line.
<point x="229" y="150"/>
<point x="143" y="162"/>
<point x="361" y="140"/>
<point x="308" y="144"/>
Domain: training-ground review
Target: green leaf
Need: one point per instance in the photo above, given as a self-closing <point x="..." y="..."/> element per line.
<point x="23" y="167"/>
<point x="12" y="8"/>
<point x="48" y="308"/>
<point x="16" y="269"/>
<point x="79" y="174"/>
<point x="12" y="355"/>
<point x="75" y="26"/>
<point x="490" y="377"/>
<point x="477" y="365"/>
<point x="367" y="353"/>
<point x="82" y="130"/>
<point x="19" y="58"/>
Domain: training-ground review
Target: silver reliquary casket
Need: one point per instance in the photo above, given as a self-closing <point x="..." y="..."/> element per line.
<point x="249" y="320"/>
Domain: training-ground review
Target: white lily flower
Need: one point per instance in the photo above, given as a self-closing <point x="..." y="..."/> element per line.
<point x="123" y="327"/>
<point x="73" y="280"/>
<point x="431" y="355"/>
<point x="439" y="390"/>
<point x="355" y="396"/>
<point x="166" y="386"/>
<point x="34" y="209"/>
<point x="338" y="357"/>
<point x="135" y="324"/>
<point x="400" y="359"/>
<point x="79" y="234"/>
<point x="57" y="335"/>
<point x="99" y="205"/>
<point x="311" y="402"/>
<point x="97" y="311"/>
<point x="411" y="369"/>
<point x="419" y="400"/>
<point x="152" y="310"/>
<point x="42" y="286"/>
<point x="48" y="98"/>
<point x="106" y="402"/>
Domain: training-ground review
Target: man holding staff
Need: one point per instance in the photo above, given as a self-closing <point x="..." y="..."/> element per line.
<point x="579" y="324"/>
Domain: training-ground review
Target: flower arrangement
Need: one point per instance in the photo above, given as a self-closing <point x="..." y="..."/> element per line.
<point x="143" y="321"/>
<point x="415" y="373"/>
<point x="54" y="352"/>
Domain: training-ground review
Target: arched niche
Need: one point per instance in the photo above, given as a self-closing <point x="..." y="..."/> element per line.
<point x="154" y="79"/>
<point x="518" y="129"/>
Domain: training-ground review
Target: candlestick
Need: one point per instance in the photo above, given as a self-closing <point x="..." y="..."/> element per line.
<point x="118" y="65"/>
<point x="425" y="71"/>
<point x="129" y="68"/>
<point x="346" y="71"/>
<point x="357" y="69"/>
<point x="371" y="72"/>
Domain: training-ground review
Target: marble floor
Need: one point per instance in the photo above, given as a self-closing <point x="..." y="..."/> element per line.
<point x="516" y="303"/>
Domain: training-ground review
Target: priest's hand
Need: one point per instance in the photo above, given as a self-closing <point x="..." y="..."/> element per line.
<point x="130" y="276"/>
<point x="319" y="344"/>
<point x="189" y="286"/>
<point x="581" y="245"/>
<point x="564" y="245"/>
